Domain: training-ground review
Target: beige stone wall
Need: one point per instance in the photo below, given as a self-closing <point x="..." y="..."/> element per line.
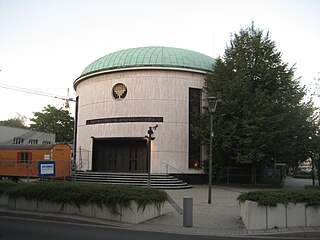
<point x="150" y="93"/>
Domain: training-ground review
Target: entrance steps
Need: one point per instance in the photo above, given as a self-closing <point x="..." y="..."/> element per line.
<point x="159" y="181"/>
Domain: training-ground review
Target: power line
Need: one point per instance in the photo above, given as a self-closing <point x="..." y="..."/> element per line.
<point x="41" y="93"/>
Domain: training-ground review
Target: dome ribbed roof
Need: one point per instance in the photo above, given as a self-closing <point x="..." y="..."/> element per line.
<point x="150" y="57"/>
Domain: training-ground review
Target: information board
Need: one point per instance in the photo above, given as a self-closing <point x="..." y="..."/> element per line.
<point x="47" y="168"/>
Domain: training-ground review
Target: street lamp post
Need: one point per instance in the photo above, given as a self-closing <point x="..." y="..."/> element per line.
<point x="212" y="105"/>
<point x="150" y="137"/>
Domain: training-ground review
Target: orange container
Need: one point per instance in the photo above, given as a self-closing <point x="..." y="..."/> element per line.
<point x="22" y="160"/>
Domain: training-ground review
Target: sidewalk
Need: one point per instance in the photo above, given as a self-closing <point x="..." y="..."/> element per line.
<point x="222" y="217"/>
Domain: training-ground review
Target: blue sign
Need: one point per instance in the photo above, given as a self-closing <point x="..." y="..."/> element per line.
<point x="47" y="168"/>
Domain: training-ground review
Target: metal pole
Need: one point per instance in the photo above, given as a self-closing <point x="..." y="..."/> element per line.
<point x="313" y="174"/>
<point x="210" y="159"/>
<point x="28" y="171"/>
<point x="149" y="155"/>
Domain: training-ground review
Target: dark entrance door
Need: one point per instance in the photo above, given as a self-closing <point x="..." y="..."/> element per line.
<point x="119" y="155"/>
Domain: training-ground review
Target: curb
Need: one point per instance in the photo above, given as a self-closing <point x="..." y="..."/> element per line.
<point x="60" y="218"/>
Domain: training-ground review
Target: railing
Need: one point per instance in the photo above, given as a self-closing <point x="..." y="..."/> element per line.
<point x="172" y="167"/>
<point x="81" y="160"/>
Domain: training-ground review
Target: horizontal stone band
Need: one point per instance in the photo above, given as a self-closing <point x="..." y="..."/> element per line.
<point x="124" y="120"/>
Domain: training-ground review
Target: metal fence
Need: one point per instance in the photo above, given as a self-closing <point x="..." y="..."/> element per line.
<point x="247" y="175"/>
<point x="81" y="162"/>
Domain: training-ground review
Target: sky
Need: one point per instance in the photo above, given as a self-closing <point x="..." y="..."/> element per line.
<point x="46" y="44"/>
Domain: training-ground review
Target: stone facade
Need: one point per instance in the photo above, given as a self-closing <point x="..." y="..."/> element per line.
<point x="150" y="93"/>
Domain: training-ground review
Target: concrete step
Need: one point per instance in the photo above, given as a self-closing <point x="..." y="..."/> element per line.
<point x="160" y="181"/>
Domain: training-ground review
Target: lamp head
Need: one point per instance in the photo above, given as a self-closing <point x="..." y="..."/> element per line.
<point x="212" y="104"/>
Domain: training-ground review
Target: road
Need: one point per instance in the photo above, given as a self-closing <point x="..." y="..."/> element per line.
<point x="14" y="228"/>
<point x="291" y="182"/>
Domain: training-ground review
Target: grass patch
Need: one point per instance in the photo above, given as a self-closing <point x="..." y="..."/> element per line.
<point x="271" y="197"/>
<point x="113" y="197"/>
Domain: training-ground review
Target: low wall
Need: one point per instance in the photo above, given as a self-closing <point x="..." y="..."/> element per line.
<point x="282" y="216"/>
<point x="133" y="214"/>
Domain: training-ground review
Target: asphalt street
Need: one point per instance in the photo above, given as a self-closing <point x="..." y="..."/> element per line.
<point x="13" y="228"/>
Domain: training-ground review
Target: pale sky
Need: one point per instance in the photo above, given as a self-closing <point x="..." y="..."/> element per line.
<point x="46" y="44"/>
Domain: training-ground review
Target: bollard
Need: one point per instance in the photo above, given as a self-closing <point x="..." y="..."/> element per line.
<point x="187" y="211"/>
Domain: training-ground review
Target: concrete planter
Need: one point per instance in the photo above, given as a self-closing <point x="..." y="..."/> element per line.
<point x="134" y="214"/>
<point x="4" y="200"/>
<point x="282" y="216"/>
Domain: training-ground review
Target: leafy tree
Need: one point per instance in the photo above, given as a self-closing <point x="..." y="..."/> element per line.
<point x="53" y="120"/>
<point x="314" y="147"/>
<point x="19" y="121"/>
<point x="262" y="118"/>
<point x="315" y="152"/>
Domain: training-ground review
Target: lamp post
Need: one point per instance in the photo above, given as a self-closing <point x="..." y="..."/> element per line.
<point x="150" y="137"/>
<point x="212" y="105"/>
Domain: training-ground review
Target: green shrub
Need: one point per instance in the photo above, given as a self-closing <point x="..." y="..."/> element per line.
<point x="271" y="197"/>
<point x="113" y="197"/>
<point x="6" y="185"/>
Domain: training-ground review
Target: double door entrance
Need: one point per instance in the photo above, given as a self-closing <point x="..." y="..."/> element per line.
<point x="119" y="155"/>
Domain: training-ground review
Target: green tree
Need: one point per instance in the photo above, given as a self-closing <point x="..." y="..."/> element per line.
<point x="315" y="153"/>
<point x="262" y="118"/>
<point x="53" y="120"/>
<point x="314" y="147"/>
<point x="19" y="121"/>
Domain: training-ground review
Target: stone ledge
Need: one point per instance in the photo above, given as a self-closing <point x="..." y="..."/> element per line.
<point x="134" y="214"/>
<point x="257" y="217"/>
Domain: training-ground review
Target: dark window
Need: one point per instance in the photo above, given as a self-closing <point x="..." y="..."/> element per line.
<point x="18" y="140"/>
<point x="194" y="113"/>
<point x="24" y="157"/>
<point x="33" y="141"/>
<point x="46" y="142"/>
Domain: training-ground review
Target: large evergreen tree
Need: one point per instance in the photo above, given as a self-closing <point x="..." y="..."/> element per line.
<point x="53" y="120"/>
<point x="262" y="118"/>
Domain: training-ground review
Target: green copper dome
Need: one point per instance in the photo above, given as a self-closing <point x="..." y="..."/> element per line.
<point x="158" y="57"/>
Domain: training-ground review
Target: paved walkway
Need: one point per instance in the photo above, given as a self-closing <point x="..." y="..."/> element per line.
<point x="222" y="217"/>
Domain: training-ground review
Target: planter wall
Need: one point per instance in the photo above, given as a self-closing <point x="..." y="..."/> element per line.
<point x="282" y="216"/>
<point x="4" y="200"/>
<point x="129" y="215"/>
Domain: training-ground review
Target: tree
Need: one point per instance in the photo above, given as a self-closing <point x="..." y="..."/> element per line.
<point x="314" y="147"/>
<point x="19" y="121"/>
<point x="262" y="119"/>
<point x="53" y="120"/>
<point x="315" y="153"/>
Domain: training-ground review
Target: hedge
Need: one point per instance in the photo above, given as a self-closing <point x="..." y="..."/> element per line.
<point x="271" y="197"/>
<point x="113" y="197"/>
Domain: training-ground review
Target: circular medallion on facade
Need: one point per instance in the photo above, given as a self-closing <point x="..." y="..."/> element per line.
<point x="119" y="91"/>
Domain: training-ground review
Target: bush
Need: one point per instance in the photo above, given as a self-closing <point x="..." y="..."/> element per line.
<point x="113" y="197"/>
<point x="271" y="197"/>
<point x="6" y="185"/>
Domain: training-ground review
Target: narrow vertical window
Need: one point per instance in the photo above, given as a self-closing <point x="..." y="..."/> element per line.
<point x="194" y="113"/>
